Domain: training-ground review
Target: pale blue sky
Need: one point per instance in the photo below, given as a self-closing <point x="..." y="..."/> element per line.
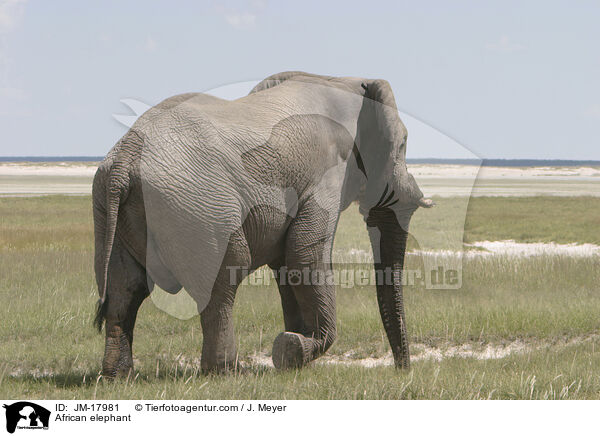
<point x="505" y="79"/>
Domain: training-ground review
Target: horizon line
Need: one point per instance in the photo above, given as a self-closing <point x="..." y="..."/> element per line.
<point x="456" y="161"/>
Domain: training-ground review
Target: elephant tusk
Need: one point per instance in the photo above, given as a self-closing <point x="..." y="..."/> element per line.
<point x="426" y="202"/>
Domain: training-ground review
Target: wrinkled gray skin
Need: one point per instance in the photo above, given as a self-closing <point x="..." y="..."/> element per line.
<point x="200" y="185"/>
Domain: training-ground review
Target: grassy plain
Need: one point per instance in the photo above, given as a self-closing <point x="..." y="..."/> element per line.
<point x="546" y="308"/>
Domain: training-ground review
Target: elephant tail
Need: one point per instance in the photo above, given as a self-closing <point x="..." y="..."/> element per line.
<point x="116" y="190"/>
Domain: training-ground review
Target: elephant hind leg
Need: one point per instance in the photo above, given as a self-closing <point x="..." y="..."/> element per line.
<point x="118" y="351"/>
<point x="219" y="352"/>
<point x="127" y="289"/>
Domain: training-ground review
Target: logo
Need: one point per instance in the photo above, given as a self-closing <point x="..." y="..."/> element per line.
<point x="26" y="415"/>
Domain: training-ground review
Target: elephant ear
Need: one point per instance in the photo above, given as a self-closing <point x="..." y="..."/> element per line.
<point x="385" y="112"/>
<point x="381" y="92"/>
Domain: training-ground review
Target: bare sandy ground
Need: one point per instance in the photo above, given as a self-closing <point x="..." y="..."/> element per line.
<point x="25" y="179"/>
<point x="75" y="178"/>
<point x="469" y="171"/>
<point x="55" y="169"/>
<point x="419" y="352"/>
<point x="418" y="170"/>
<point x="439" y="353"/>
<point x="467" y="180"/>
<point x="512" y="248"/>
<point x="507" y="248"/>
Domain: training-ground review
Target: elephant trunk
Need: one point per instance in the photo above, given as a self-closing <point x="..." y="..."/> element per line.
<point x="388" y="240"/>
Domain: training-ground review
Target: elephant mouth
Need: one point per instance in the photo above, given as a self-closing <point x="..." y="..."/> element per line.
<point x="388" y="240"/>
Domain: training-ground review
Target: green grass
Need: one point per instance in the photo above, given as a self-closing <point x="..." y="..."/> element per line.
<point x="534" y="219"/>
<point x="568" y="373"/>
<point x="456" y="220"/>
<point x="48" y="348"/>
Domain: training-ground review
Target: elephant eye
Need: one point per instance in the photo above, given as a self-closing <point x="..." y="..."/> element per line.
<point x="359" y="161"/>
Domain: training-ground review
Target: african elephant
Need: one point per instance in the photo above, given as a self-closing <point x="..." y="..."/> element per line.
<point x="201" y="192"/>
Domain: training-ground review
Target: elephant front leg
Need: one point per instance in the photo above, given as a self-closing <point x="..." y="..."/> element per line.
<point x="308" y="276"/>
<point x="312" y="338"/>
<point x="292" y="317"/>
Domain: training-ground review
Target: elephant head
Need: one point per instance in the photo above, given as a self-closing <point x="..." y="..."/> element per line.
<point x="387" y="202"/>
<point x="388" y="193"/>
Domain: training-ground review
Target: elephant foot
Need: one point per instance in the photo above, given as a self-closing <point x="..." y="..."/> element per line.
<point x="222" y="368"/>
<point x="122" y="369"/>
<point x="229" y="369"/>
<point x="118" y="361"/>
<point x="122" y="372"/>
<point x="289" y="351"/>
